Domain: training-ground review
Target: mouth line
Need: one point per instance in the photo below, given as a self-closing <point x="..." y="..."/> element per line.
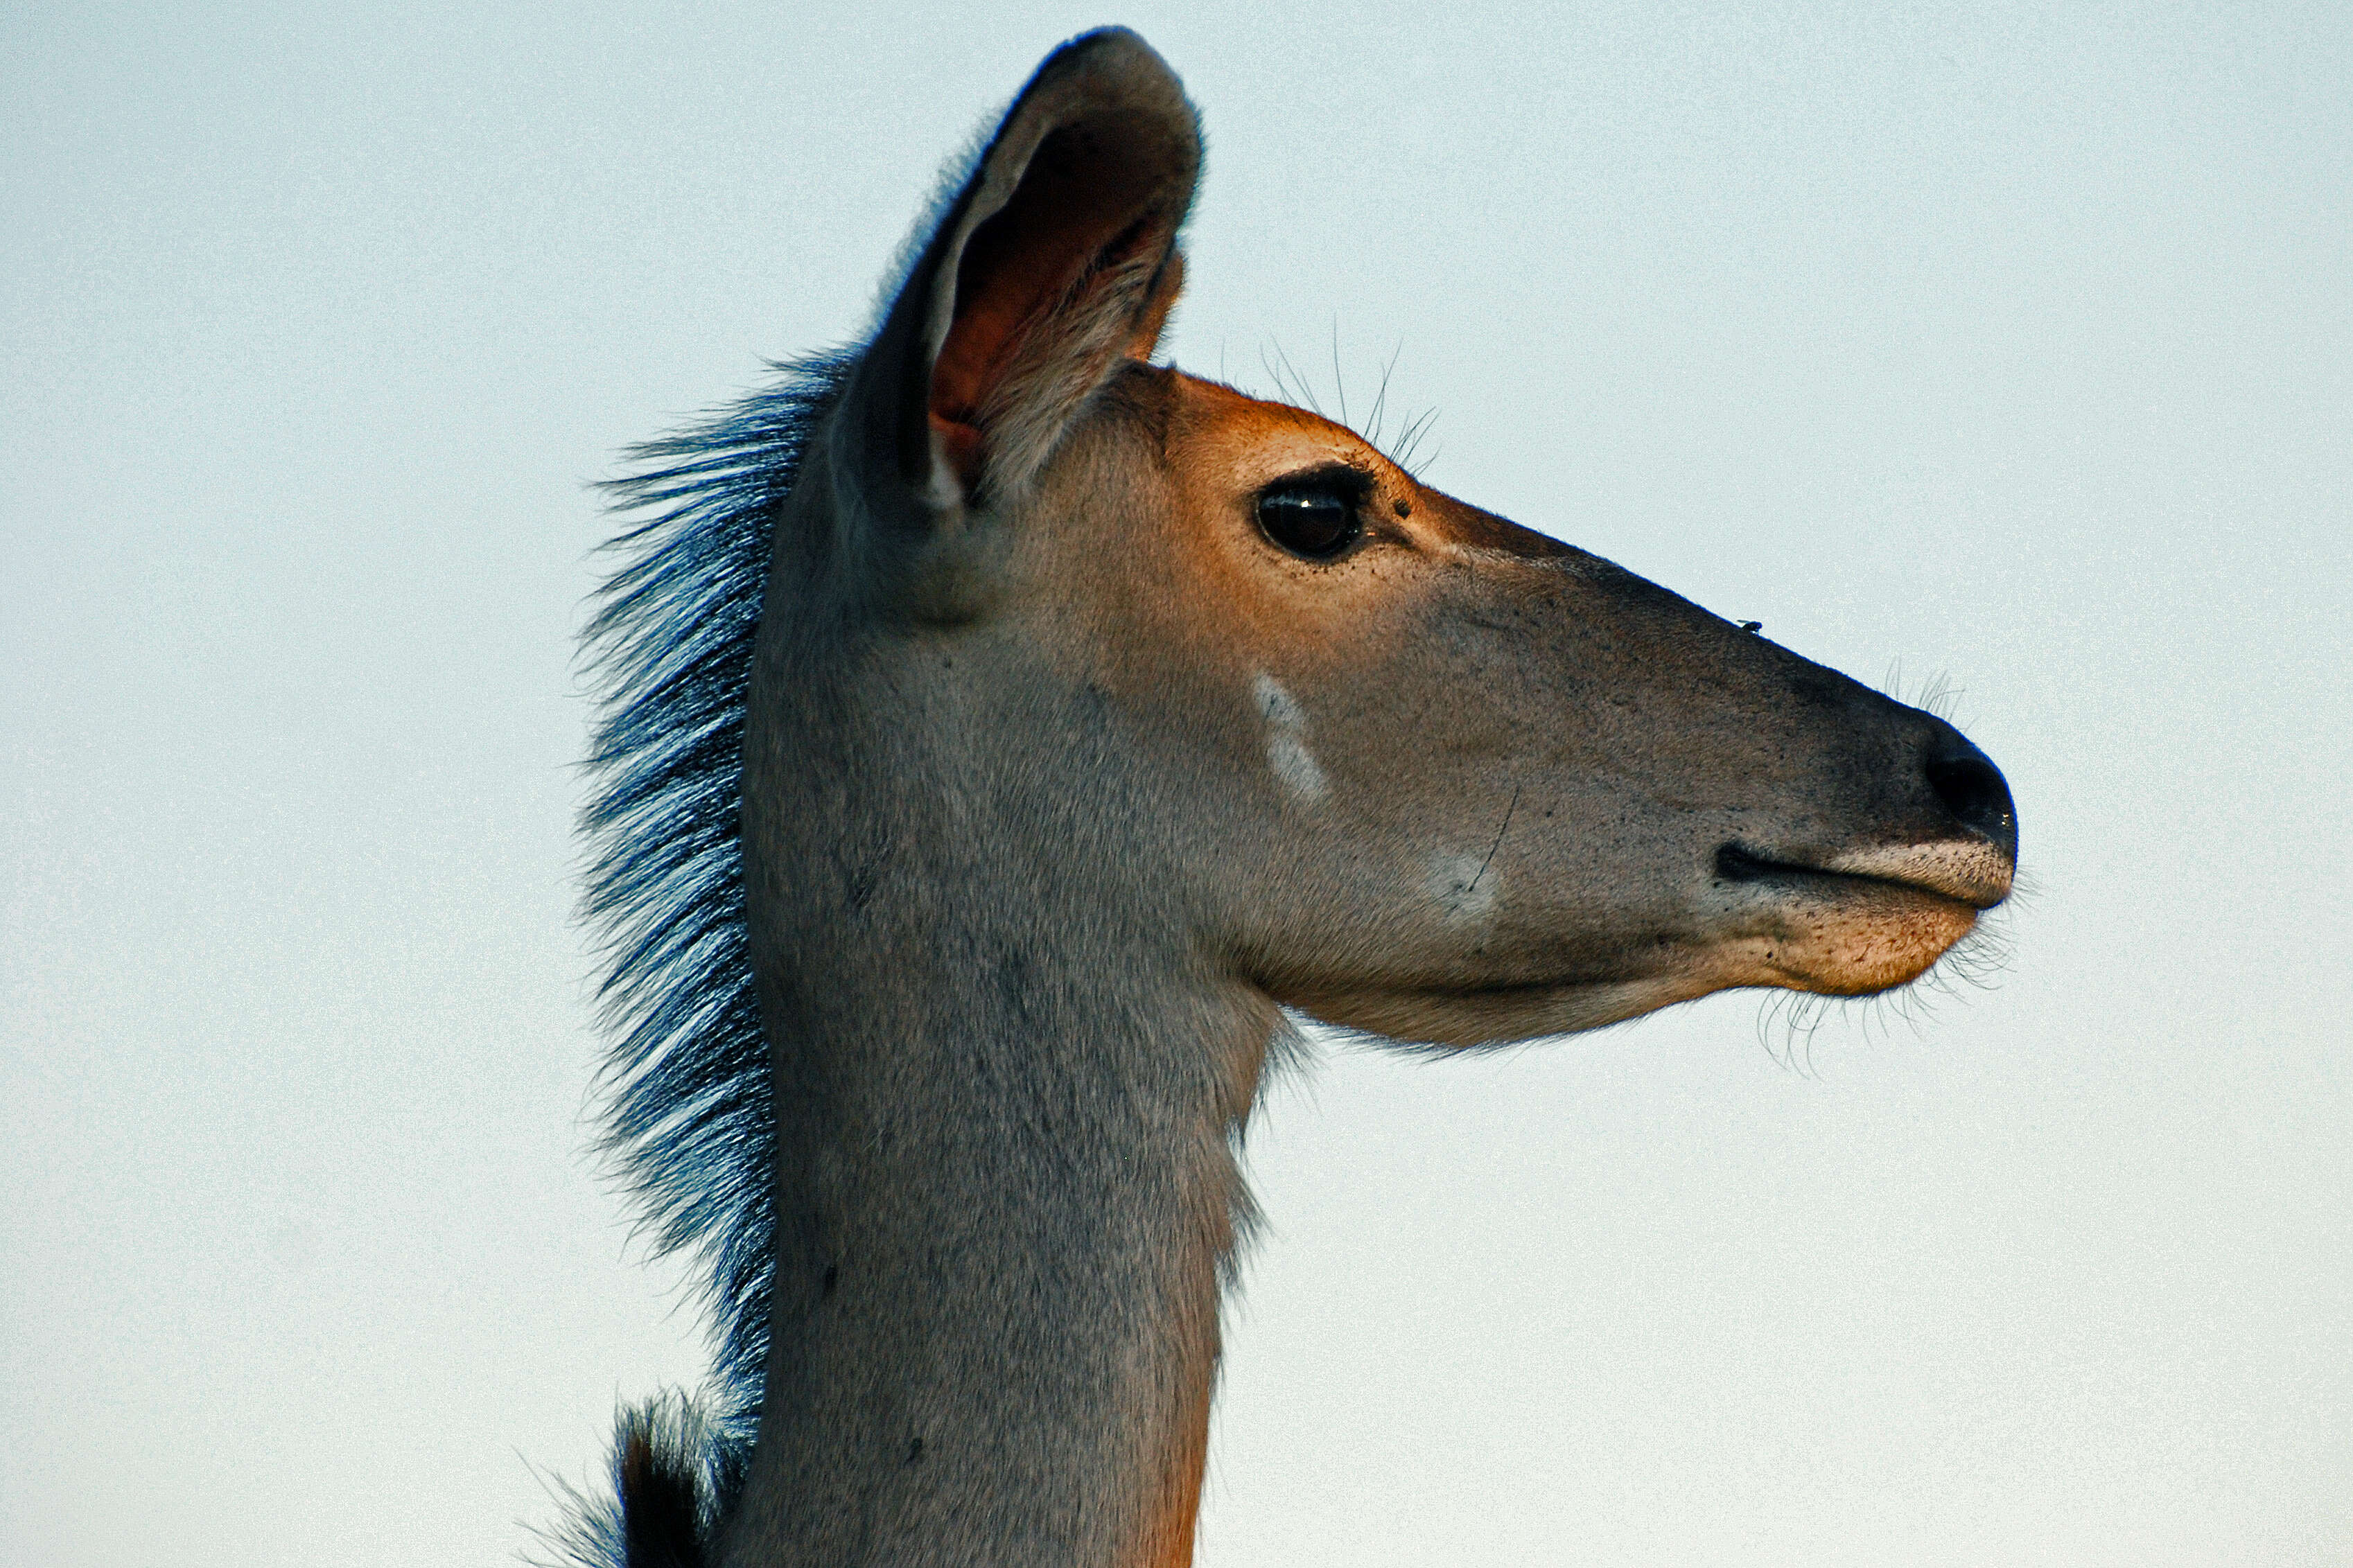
<point x="1737" y="863"/>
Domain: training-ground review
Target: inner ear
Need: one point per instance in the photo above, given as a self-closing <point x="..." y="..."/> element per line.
<point x="1050" y="289"/>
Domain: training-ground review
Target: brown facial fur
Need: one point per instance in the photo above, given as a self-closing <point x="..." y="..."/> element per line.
<point x="1474" y="692"/>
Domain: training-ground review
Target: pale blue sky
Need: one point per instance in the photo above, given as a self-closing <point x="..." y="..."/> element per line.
<point x="2011" y="344"/>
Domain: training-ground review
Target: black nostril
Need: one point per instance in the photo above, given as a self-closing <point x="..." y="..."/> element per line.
<point x="1977" y="794"/>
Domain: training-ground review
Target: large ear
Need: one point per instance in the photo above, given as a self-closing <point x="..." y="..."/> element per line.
<point x="1057" y="258"/>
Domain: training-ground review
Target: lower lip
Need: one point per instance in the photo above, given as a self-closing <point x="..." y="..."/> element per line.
<point x="1739" y="866"/>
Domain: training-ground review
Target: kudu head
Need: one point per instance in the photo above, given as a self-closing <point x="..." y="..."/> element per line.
<point x="1385" y="757"/>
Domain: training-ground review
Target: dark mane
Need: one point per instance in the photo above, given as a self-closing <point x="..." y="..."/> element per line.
<point x="689" y="1117"/>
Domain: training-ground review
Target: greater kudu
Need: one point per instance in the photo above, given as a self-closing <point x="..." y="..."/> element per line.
<point x="1002" y="731"/>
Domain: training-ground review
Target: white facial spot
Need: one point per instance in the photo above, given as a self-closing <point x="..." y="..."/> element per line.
<point x="1463" y="886"/>
<point x="1274" y="704"/>
<point x="1286" y="740"/>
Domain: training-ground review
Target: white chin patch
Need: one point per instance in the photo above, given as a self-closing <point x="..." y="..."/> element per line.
<point x="1286" y="740"/>
<point x="1463" y="886"/>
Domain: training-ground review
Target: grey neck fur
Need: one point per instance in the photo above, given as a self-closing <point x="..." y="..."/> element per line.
<point x="1005" y="1094"/>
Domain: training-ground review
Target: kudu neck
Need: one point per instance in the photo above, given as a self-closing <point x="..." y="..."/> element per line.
<point x="1005" y="1183"/>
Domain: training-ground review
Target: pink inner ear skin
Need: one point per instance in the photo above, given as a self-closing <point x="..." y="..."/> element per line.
<point x="1081" y="192"/>
<point x="959" y="443"/>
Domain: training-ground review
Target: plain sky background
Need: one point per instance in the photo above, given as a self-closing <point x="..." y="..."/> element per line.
<point x="2011" y="344"/>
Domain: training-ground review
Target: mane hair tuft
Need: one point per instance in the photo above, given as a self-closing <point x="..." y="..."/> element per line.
<point x="690" y="1122"/>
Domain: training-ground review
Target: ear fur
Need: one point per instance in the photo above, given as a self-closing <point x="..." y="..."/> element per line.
<point x="1153" y="320"/>
<point x="1056" y="259"/>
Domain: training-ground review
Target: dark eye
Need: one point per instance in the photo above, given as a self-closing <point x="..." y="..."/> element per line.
<point x="1315" y="518"/>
